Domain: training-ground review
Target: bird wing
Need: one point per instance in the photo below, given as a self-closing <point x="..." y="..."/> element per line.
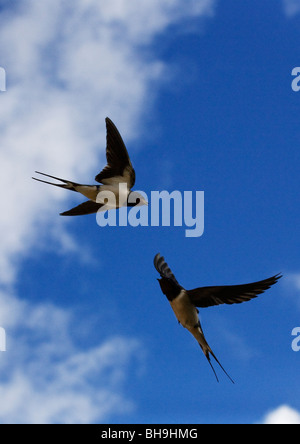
<point x="230" y="294"/>
<point x="164" y="270"/>
<point x="119" y="168"/>
<point x="88" y="207"/>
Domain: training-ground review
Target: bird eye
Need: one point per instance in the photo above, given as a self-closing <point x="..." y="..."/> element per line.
<point x="138" y="201"/>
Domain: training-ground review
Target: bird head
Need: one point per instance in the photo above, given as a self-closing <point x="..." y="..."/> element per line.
<point x="136" y="199"/>
<point x="169" y="289"/>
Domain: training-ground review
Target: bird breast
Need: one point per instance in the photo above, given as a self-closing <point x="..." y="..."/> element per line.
<point x="113" y="196"/>
<point x="185" y="312"/>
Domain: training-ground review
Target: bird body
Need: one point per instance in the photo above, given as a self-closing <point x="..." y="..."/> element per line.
<point x="116" y="179"/>
<point x="187" y="315"/>
<point x="185" y="312"/>
<point x="89" y="191"/>
<point x="185" y="302"/>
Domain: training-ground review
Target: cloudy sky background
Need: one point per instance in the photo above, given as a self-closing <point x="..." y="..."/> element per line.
<point x="201" y="93"/>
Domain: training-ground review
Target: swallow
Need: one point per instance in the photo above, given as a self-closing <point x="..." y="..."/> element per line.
<point x="118" y="177"/>
<point x="185" y="302"/>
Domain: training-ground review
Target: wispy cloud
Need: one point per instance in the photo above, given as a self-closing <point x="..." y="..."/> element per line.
<point x="292" y="287"/>
<point x="294" y="279"/>
<point x="45" y="378"/>
<point x="240" y="346"/>
<point x="68" y="66"/>
<point x="291" y="7"/>
<point x="282" y="415"/>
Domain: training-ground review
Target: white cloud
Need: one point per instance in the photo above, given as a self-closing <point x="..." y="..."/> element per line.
<point x="45" y="378"/>
<point x="294" y="279"/>
<point x="67" y="67"/>
<point x="291" y="7"/>
<point x="292" y="287"/>
<point x="282" y="415"/>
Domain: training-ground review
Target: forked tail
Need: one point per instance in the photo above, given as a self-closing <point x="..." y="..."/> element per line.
<point x="67" y="184"/>
<point x="218" y="362"/>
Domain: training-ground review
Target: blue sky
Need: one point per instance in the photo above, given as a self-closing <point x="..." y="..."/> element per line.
<point x="202" y="97"/>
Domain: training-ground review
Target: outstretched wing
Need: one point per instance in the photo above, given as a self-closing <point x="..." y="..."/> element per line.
<point x="230" y="294"/>
<point x="168" y="283"/>
<point x="119" y="168"/>
<point x="88" y="207"/>
<point x="163" y="268"/>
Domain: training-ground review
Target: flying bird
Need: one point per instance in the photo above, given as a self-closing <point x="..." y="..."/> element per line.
<point x="185" y="302"/>
<point x="118" y="177"/>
